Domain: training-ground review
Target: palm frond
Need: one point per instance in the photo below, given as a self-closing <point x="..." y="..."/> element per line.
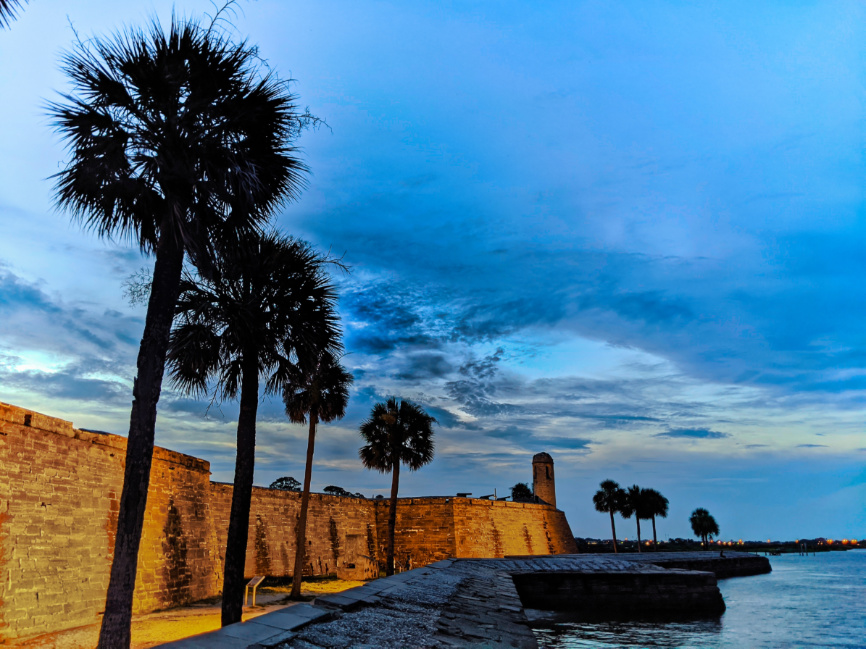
<point x="268" y="299"/>
<point x="175" y="133"/>
<point x="8" y="11"/>
<point x="397" y="432"/>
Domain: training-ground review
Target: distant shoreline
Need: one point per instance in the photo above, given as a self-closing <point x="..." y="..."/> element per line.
<point x="762" y="547"/>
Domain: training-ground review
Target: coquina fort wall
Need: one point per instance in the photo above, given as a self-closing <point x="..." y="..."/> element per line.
<point x="59" y="497"/>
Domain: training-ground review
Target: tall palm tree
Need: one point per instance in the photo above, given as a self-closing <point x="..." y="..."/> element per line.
<point x="635" y="504"/>
<point x="703" y="525"/>
<point x="321" y="393"/>
<point x="7" y="11"/>
<point x="176" y="142"/>
<point x="396" y="433"/>
<point x="267" y="305"/>
<point x="657" y="505"/>
<point x="609" y="499"/>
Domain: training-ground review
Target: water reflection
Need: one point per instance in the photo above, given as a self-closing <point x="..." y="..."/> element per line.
<point x="816" y="601"/>
<point x="699" y="633"/>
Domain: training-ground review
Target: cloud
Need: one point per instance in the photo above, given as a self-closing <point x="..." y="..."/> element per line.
<point x="693" y="433"/>
<point x="811" y="446"/>
<point x="572" y="443"/>
<point x="33" y="319"/>
<point x="425" y="365"/>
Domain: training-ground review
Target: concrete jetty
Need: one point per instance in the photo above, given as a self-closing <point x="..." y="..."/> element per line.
<point x="484" y="602"/>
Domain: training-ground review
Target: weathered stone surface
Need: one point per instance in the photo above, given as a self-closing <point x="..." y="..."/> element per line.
<point x="623" y="595"/>
<point x="59" y="497"/>
<point x="732" y="564"/>
<point x="480" y="602"/>
<point x="462" y="603"/>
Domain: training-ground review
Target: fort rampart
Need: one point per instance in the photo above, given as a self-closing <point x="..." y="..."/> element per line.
<point x="59" y="496"/>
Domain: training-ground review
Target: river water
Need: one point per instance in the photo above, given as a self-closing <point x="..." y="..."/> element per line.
<point x="814" y="601"/>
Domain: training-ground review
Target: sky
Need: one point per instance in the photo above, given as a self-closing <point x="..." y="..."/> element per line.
<point x="629" y="234"/>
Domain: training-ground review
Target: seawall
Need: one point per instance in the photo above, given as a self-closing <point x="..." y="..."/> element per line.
<point x="59" y="496"/>
<point x="732" y="564"/>
<point x="477" y="603"/>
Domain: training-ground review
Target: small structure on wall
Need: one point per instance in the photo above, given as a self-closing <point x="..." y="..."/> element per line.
<point x="543" y="484"/>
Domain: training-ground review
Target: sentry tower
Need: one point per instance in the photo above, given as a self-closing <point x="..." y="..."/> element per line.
<point x="543" y="485"/>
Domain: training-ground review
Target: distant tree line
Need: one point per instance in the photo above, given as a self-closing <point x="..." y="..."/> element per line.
<point x="646" y="504"/>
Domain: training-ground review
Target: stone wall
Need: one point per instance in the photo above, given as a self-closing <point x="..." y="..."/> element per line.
<point x="675" y="594"/>
<point x="59" y="498"/>
<point x="337" y="529"/>
<point x="424" y="532"/>
<point x="430" y="529"/>
<point x="488" y="528"/>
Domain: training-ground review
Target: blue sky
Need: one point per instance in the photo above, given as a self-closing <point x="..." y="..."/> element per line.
<point x="629" y="234"/>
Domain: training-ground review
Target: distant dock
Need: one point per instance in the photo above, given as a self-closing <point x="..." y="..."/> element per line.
<point x="484" y="602"/>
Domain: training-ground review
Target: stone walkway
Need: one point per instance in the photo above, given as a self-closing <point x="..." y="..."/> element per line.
<point x="451" y="603"/>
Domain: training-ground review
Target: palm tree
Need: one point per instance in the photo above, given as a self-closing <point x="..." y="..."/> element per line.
<point x="609" y="499"/>
<point x="703" y="525"/>
<point x="657" y="505"/>
<point x="7" y="11"/>
<point x="635" y="504"/>
<point x="267" y="306"/>
<point x="320" y="392"/>
<point x="396" y="433"/>
<point x="176" y="142"/>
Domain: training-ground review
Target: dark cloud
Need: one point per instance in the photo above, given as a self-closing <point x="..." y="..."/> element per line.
<point x="390" y="317"/>
<point x="693" y="433"/>
<point x="34" y="319"/>
<point x="571" y="443"/>
<point x="68" y="384"/>
<point x="651" y="307"/>
<point x="424" y="365"/>
<point x="477" y="391"/>
<point x="811" y="446"/>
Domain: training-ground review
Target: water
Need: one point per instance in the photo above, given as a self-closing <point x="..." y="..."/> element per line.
<point x="814" y="601"/>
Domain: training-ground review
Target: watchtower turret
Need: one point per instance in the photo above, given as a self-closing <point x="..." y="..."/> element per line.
<point x="543" y="485"/>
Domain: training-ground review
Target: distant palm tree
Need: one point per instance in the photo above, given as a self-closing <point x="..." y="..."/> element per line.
<point x="635" y="504"/>
<point x="396" y="433"/>
<point x="703" y="525"/>
<point x="609" y="499"/>
<point x="657" y="505"/>
<point x="320" y="392"/>
<point x="7" y="11"/>
<point x="176" y="142"/>
<point x="268" y="305"/>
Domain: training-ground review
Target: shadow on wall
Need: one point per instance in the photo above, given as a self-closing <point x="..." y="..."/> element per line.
<point x="263" y="556"/>
<point x="175" y="569"/>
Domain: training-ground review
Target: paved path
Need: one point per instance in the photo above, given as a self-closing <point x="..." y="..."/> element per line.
<point x="451" y="603"/>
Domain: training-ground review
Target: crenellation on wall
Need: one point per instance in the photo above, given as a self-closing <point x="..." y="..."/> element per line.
<point x="60" y="496"/>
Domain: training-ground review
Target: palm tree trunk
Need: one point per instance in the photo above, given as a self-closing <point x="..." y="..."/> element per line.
<point x="638" y="532"/>
<point x="613" y="533"/>
<point x="239" y="519"/>
<point x="392" y="518"/>
<point x="301" y="536"/>
<point x="115" y="630"/>
<point x="655" y="539"/>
